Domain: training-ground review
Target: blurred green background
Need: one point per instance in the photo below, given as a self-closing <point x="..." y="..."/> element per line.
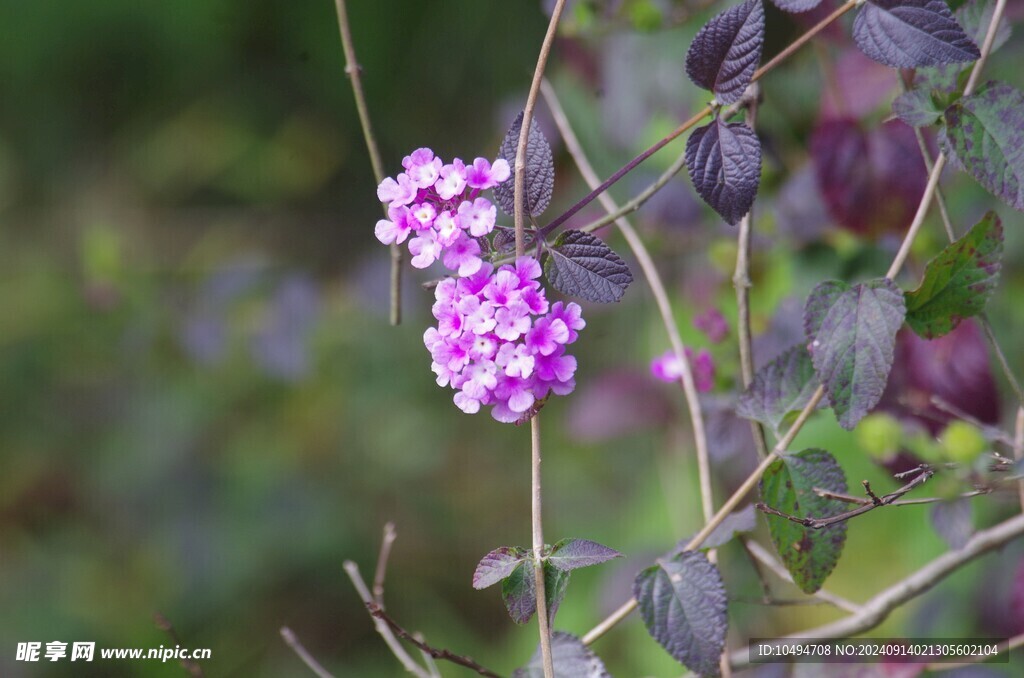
<point x="203" y="410"/>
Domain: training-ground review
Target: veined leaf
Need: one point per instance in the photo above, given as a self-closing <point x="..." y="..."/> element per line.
<point x="539" y="178"/>
<point x="852" y="334"/>
<point x="788" y="485"/>
<point x="581" y="265"/>
<point x="783" y="386"/>
<point x="985" y="137"/>
<point x="683" y="603"/>
<point x="726" y="51"/>
<point x="497" y="565"/>
<point x="959" y="281"/>
<point x="911" y="33"/>
<point x="724" y="160"/>
<point x="571" y="554"/>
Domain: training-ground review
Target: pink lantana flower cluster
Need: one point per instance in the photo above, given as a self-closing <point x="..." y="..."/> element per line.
<point x="666" y="368"/>
<point x="440" y="206"/>
<point x="499" y="343"/>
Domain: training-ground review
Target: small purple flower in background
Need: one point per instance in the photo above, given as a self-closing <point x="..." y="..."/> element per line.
<point x="667" y="368"/>
<point x="441" y="205"/>
<point x="713" y="324"/>
<point x="499" y="343"/>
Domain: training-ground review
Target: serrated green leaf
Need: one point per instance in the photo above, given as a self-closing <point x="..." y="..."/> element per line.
<point x="788" y="485"/>
<point x="852" y="336"/>
<point x="959" y="281"/>
<point x="985" y="137"/>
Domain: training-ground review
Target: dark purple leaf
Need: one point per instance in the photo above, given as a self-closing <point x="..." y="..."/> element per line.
<point x="497" y="565"/>
<point x="796" y="6"/>
<point x="726" y="51"/>
<point x="570" y="657"/>
<point x="852" y="334"/>
<point x="783" y="386"/>
<point x="872" y="181"/>
<point x="539" y="178"/>
<point x="581" y="265"/>
<point x="570" y="554"/>
<point x="683" y="604"/>
<point x="724" y="160"/>
<point x="953" y="521"/>
<point x="911" y="33"/>
<point x="959" y="281"/>
<point x="788" y="485"/>
<point x="985" y="137"/>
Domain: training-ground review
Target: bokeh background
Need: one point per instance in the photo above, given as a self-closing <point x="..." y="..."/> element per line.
<point x="203" y="410"/>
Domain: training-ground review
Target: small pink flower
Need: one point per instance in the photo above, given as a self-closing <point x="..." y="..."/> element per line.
<point x="425" y="249"/>
<point x="423" y="215"/>
<point x="448" y="228"/>
<point x="423" y="167"/>
<point x="395" y="193"/>
<point x="452" y="181"/>
<point x="478" y="216"/>
<point x="667" y="368"/>
<point x="464" y="256"/>
<point x="484" y="175"/>
<point x="512" y="321"/>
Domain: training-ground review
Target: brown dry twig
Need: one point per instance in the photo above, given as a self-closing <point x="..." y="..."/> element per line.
<point x="871" y="504"/>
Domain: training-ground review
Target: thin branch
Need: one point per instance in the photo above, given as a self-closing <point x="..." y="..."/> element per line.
<point x="986" y="47"/>
<point x="352" y="70"/>
<point x="693" y="121"/>
<point x="741" y="282"/>
<point x="992" y="431"/>
<point x="191" y="667"/>
<point x="524" y="129"/>
<point x="766" y="558"/>
<point x="382" y="562"/>
<point x="518" y="216"/>
<point x="623" y="611"/>
<point x="626" y="169"/>
<point x="947" y="224"/>
<point x="538" y="549"/>
<point x="436" y="653"/>
<point x="900" y="502"/>
<point x="878" y="608"/>
<point x="383" y="629"/>
<point x="1018" y="449"/>
<point x="872" y="504"/>
<point x="293" y="642"/>
<point x="986" y="327"/>
<point x="940" y="162"/>
<point x="799" y="42"/>
<point x="428" y="660"/>
<point x="650" y="271"/>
